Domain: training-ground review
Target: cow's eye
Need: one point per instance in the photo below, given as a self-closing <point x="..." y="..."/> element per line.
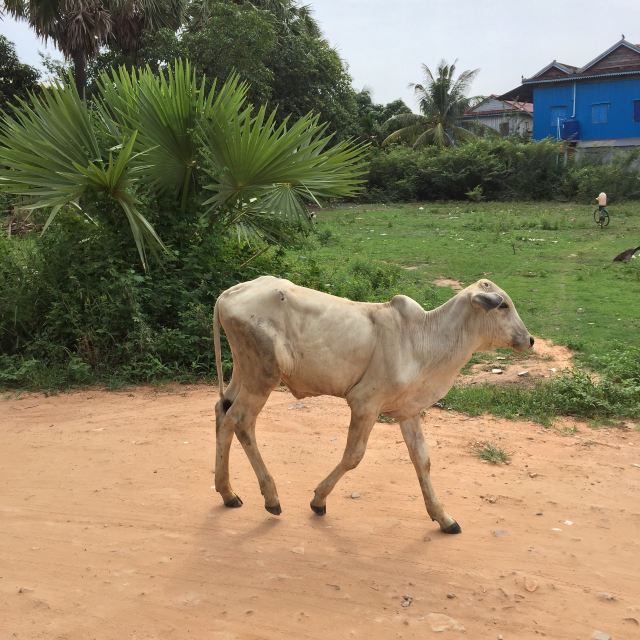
<point x="504" y="305"/>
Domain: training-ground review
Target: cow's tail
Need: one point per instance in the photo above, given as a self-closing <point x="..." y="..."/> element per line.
<point x="216" y="347"/>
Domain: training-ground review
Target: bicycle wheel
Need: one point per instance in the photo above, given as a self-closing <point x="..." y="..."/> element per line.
<point x="604" y="219"/>
<point x="596" y="216"/>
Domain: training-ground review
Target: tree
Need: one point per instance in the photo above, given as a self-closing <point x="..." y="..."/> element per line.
<point x="234" y="38"/>
<point x="16" y="78"/>
<point x="310" y="76"/>
<point x="373" y="119"/>
<point x="79" y="28"/>
<point x="442" y="101"/>
<point x="275" y="45"/>
<point x="307" y="74"/>
<point x="148" y="135"/>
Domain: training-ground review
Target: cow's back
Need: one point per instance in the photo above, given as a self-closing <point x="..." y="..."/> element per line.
<point x="322" y="344"/>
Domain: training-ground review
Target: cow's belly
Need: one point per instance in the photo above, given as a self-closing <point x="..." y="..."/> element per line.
<point x="299" y="392"/>
<point x="311" y="380"/>
<point x="418" y="395"/>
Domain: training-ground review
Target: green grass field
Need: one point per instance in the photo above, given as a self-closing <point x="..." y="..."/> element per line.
<point x="551" y="258"/>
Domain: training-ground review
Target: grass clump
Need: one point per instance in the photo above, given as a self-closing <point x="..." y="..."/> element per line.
<point x="576" y="393"/>
<point x="490" y="452"/>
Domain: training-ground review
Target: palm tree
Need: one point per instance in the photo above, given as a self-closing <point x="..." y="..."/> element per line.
<point x="79" y="28"/>
<point x="167" y="133"/>
<point x="131" y="17"/>
<point x="442" y="100"/>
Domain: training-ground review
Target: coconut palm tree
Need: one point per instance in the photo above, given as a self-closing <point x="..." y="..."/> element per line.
<point x="442" y="101"/>
<point x="79" y="28"/>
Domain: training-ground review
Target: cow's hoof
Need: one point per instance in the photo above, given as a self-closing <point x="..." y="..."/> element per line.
<point x="275" y="510"/>
<point x="234" y="503"/>
<point x="318" y="510"/>
<point x="452" y="528"/>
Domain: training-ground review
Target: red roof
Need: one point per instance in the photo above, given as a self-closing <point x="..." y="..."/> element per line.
<point x="510" y="105"/>
<point x="521" y="106"/>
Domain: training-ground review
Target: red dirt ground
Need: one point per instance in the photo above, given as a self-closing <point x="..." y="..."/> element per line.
<point x="110" y="527"/>
<point x="544" y="361"/>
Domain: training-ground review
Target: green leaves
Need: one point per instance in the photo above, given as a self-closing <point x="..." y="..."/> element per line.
<point x="51" y="155"/>
<point x="443" y="101"/>
<point x="264" y="173"/>
<point x="165" y="109"/>
<point x="155" y="134"/>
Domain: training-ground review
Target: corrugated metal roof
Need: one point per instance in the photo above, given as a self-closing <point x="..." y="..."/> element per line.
<point x="511" y="106"/>
<point x="565" y="68"/>
<point x="621" y="43"/>
<point x="569" y="68"/>
<point x="521" y="106"/>
<point x="577" y="73"/>
<point x="580" y="76"/>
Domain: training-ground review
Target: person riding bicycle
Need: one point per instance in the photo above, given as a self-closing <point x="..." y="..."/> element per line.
<point x="602" y="205"/>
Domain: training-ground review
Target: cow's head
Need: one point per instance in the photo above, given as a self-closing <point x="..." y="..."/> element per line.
<point x="497" y="320"/>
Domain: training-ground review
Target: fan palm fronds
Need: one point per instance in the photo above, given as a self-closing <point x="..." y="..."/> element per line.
<point x="263" y="174"/>
<point x="52" y="156"/>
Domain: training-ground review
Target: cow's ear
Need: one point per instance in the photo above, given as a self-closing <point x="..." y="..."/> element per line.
<point x="487" y="301"/>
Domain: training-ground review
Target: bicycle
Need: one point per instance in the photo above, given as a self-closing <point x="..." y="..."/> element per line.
<point x="601" y="217"/>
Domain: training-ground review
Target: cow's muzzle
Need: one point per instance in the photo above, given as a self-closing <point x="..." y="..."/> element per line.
<point x="522" y="344"/>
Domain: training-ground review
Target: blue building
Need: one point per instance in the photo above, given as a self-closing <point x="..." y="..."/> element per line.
<point x="597" y="105"/>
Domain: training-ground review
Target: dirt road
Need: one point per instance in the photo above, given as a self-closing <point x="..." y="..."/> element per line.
<point x="110" y="528"/>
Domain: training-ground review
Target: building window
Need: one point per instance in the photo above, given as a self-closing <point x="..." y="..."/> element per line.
<point x="600" y="113"/>
<point x="504" y="129"/>
<point x="636" y="110"/>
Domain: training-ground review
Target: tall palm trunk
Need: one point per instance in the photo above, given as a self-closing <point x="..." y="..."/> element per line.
<point x="80" y="72"/>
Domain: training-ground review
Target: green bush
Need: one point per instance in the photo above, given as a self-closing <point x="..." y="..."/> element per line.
<point x="492" y="168"/>
<point x="619" y="178"/>
<point x="31" y="373"/>
<point x="393" y="174"/>
<point x="497" y="169"/>
<point x="74" y="310"/>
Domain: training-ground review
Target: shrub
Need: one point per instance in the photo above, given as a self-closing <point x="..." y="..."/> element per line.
<point x="487" y="167"/>
<point x="619" y="178"/>
<point x="393" y="174"/>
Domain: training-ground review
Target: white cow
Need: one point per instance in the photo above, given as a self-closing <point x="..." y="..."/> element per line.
<point x="393" y="358"/>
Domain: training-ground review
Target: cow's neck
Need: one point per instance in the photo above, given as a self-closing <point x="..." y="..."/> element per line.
<point x="450" y="335"/>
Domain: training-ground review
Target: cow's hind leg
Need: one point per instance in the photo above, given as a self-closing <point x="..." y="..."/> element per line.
<point x="242" y="416"/>
<point x="357" y="438"/>
<point x="224" y="436"/>
<point x="413" y="436"/>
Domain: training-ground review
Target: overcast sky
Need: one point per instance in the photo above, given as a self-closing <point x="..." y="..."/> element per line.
<point x="384" y="42"/>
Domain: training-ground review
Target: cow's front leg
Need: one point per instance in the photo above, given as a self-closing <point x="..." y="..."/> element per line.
<point x="414" y="438"/>
<point x="359" y="429"/>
